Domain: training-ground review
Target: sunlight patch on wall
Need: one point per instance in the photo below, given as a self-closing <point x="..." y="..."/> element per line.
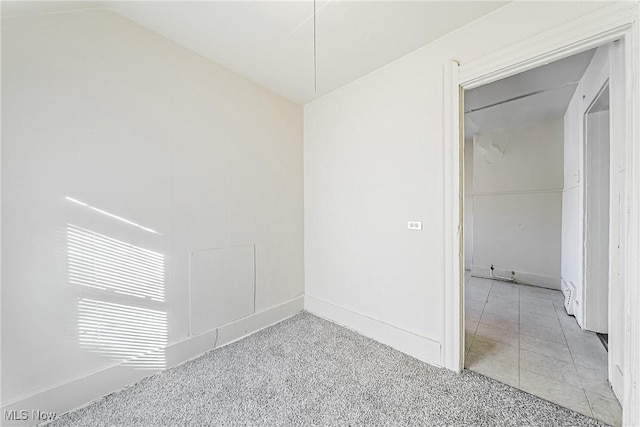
<point x="107" y="264"/>
<point x="134" y="335"/>
<point x="110" y="215"/>
<point x="111" y="269"/>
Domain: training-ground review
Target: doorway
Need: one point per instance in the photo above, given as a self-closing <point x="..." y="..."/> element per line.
<point x="615" y="22"/>
<point x="528" y="272"/>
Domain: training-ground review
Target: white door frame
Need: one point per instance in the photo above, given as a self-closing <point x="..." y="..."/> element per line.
<point x="595" y="29"/>
<point x="596" y="243"/>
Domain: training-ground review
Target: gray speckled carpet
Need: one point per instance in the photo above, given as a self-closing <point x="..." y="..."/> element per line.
<point x="306" y="371"/>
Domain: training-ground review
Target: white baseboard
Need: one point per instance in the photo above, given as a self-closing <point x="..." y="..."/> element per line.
<point x="414" y="345"/>
<point x="522" y="277"/>
<point x="79" y="392"/>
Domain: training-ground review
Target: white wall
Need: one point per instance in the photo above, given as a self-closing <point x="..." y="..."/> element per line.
<point x="606" y="65"/>
<point x="468" y="202"/>
<point x="517" y="198"/>
<point x="572" y="197"/>
<point x="374" y="160"/>
<point x="104" y="111"/>
<point x="596" y="224"/>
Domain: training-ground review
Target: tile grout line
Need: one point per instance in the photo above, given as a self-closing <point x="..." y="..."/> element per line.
<point x="557" y="315"/>
<point x="519" y="386"/>
<point x="584" y="392"/>
<point x="468" y="350"/>
<point x="573" y="363"/>
<point x="481" y="313"/>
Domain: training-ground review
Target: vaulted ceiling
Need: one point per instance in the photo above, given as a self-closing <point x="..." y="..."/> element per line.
<point x="272" y="42"/>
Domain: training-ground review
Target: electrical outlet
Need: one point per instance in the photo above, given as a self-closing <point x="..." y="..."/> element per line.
<point x="414" y="225"/>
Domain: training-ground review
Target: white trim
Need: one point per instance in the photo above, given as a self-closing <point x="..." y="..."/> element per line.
<point x="514" y="192"/>
<point x="408" y="342"/>
<point x="591" y="88"/>
<point x="631" y="401"/>
<point x="452" y="334"/>
<point x="82" y="391"/>
<point x="584" y="33"/>
<point x="613" y="22"/>
<point x="617" y="131"/>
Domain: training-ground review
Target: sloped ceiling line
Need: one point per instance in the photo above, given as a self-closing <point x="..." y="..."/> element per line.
<point x="270" y="42"/>
<point x="526" y="95"/>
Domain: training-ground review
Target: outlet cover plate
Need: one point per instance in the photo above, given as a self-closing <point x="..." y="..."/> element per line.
<point x="414" y="225"/>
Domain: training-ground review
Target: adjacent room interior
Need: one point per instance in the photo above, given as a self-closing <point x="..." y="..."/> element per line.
<point x="236" y="213"/>
<point x="524" y="247"/>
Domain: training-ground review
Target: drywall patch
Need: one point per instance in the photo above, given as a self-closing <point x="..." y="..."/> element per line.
<point x="221" y="286"/>
<point x="492" y="146"/>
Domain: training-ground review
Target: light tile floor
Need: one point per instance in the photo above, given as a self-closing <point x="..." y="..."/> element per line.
<point x="522" y="336"/>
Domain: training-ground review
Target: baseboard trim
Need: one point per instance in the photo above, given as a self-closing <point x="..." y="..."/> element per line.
<point x="82" y="391"/>
<point x="533" y="279"/>
<point x="420" y="347"/>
